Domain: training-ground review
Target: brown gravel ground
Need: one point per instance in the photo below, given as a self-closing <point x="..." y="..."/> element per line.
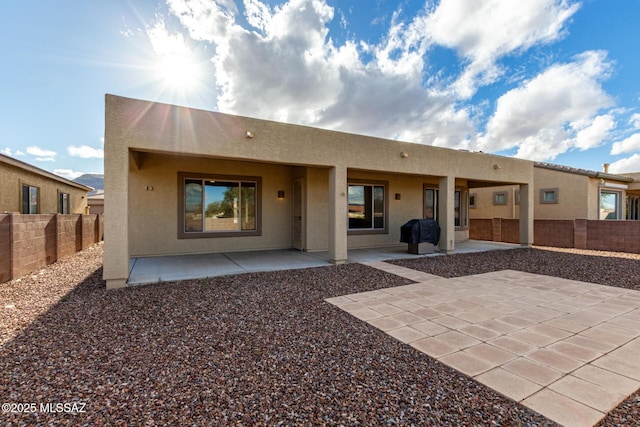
<point x="252" y="349"/>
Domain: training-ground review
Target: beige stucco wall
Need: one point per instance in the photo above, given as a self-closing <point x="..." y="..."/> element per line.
<point x="153" y="222"/>
<point x="12" y="178"/>
<point x="485" y="207"/>
<point x="578" y="196"/>
<point x="137" y="132"/>
<point x="574" y="195"/>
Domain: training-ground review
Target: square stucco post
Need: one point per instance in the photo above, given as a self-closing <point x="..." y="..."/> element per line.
<point x="526" y="214"/>
<point x="338" y="214"/>
<point x="116" y="210"/>
<point x="446" y="213"/>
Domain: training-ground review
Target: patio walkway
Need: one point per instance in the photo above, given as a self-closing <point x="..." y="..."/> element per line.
<point x="198" y="266"/>
<point x="566" y="349"/>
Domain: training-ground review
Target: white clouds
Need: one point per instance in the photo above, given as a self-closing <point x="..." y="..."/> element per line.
<point x="553" y="112"/>
<point x="628" y="165"/>
<point x="595" y="133"/>
<point x="281" y="63"/>
<point x="627" y="145"/>
<point x="290" y="70"/>
<point x="67" y="173"/>
<point x="484" y="31"/>
<point x="85" y="152"/>
<point x="164" y="43"/>
<point x="41" y="155"/>
<point x="635" y="121"/>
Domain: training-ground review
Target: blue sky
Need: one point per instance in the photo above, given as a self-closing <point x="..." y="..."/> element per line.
<point x="547" y="80"/>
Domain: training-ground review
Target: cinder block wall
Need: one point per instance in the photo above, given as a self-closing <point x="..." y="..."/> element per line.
<point x="30" y="242"/>
<point x="480" y="229"/>
<point x="68" y="234"/>
<point x="5" y="247"/>
<point x="620" y="236"/>
<point x="511" y="230"/>
<point x="33" y="243"/>
<point x="617" y="236"/>
<point x="554" y="232"/>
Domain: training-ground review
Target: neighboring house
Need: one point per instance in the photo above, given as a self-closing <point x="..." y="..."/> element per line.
<point x="562" y="192"/>
<point x="27" y="189"/>
<point x="633" y="196"/>
<point x="96" y="202"/>
<point x="184" y="181"/>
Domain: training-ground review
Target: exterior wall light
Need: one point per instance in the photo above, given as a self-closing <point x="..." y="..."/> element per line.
<point x="280" y="194"/>
<point x="249" y="134"/>
<point x="404" y="154"/>
<point x="496" y="166"/>
<point x="398" y="196"/>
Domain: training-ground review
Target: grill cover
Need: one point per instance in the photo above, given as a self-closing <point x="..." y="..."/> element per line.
<point x="420" y="231"/>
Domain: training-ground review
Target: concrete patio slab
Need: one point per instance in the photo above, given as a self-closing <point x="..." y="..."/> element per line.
<point x="199" y="266"/>
<point x="567" y="352"/>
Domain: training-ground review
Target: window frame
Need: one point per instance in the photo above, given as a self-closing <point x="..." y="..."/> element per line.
<point x="463" y="207"/>
<point x="29" y="189"/>
<point x="61" y="207"/>
<point x="496" y="194"/>
<point x="544" y="191"/>
<point x="385" y="215"/>
<point x="473" y="196"/>
<point x="618" y="208"/>
<point x="183" y="234"/>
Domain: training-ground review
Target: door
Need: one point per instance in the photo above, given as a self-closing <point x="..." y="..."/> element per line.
<point x="298" y="219"/>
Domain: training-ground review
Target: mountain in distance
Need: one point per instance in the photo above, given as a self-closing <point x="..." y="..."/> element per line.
<point x="94" y="180"/>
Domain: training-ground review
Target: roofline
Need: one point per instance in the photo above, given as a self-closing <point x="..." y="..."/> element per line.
<point x="31" y="168"/>
<point x="585" y="172"/>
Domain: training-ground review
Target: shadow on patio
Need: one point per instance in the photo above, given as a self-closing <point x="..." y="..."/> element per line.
<point x="197" y="266"/>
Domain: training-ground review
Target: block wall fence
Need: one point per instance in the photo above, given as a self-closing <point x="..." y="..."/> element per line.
<point x="30" y="242"/>
<point x="617" y="236"/>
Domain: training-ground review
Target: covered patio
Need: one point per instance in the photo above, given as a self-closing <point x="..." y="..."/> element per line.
<point x="197" y="266"/>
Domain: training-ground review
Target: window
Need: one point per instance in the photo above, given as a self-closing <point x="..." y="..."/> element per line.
<point x="431" y="204"/>
<point x="499" y="197"/>
<point x="63" y="203"/>
<point x="517" y="197"/>
<point x="460" y="207"/>
<point x="30" y="199"/>
<point x="609" y="205"/>
<point x="548" y="195"/>
<point x="367" y="207"/>
<point x="218" y="206"/>
<point x="472" y="200"/>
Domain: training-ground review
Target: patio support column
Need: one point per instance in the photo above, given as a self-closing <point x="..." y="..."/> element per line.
<point x="116" y="202"/>
<point x="526" y="214"/>
<point x="446" y="213"/>
<point x="338" y="214"/>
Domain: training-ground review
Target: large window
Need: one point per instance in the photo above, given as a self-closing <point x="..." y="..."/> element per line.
<point x="30" y="199"/>
<point x="367" y="207"/>
<point x="609" y="205"/>
<point x="460" y="207"/>
<point x="63" y="203"/>
<point x="219" y="206"/>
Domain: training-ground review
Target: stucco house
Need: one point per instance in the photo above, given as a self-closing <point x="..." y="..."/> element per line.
<point x="562" y="192"/>
<point x="96" y="202"/>
<point x="183" y="181"/>
<point x="27" y="189"/>
<point x="633" y="196"/>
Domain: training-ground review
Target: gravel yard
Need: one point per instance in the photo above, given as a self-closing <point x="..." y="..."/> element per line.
<point x="252" y="349"/>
